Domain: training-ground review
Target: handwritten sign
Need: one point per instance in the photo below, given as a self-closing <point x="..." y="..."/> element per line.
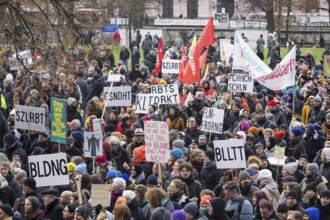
<point x="100" y="195"/>
<point x="157" y="141"/>
<point x="240" y="82"/>
<point x="58" y="120"/>
<point x="212" y="120"/>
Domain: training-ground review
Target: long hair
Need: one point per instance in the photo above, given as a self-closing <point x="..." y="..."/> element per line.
<point x="181" y="186"/>
<point x="155" y="197"/>
<point x="121" y="212"/>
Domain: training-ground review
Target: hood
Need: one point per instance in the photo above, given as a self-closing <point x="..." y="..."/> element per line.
<point x="313" y="213"/>
<point x="9" y="177"/>
<point x="272" y="187"/>
<point x="3" y="182"/>
<point x="218" y="205"/>
<point x="310" y="97"/>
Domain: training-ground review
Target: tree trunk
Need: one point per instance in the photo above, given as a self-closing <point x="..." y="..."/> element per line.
<point x="270" y="20"/>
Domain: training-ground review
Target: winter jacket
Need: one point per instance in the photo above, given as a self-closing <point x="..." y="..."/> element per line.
<point x="318" y="180"/>
<point x="279" y="116"/>
<point x="313" y="213"/>
<point x="296" y="149"/>
<point x="21" y="202"/>
<point x="246" y="212"/>
<point x="7" y="194"/>
<point x="313" y="143"/>
<point x="15" y="185"/>
<point x="72" y="113"/>
<point x="305" y="111"/>
<point x="177" y="123"/>
<point x="325" y="169"/>
<point x="136" y="211"/>
<point x="124" y="55"/>
<point x="193" y="133"/>
<point x="194" y="187"/>
<point x="272" y="193"/>
<point x="210" y="176"/>
<point x="54" y="210"/>
<point x="324" y="212"/>
<point x="120" y="157"/>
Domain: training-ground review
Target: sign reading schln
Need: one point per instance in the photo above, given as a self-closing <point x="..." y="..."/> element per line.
<point x="29" y="118"/>
<point x="49" y="169"/>
<point x="212" y="120"/>
<point x="119" y="96"/>
<point x="229" y="154"/>
<point x="240" y="82"/>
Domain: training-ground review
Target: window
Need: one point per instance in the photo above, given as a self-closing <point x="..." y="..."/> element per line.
<point x="168" y="8"/>
<point x="192" y="8"/>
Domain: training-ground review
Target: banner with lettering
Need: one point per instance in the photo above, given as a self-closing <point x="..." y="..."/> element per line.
<point x="246" y="60"/>
<point x="58" y="120"/>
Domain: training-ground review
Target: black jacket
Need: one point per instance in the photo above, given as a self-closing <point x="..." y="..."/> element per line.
<point x="136" y="211"/>
<point x="211" y="176"/>
<point x="54" y="210"/>
<point x="15" y="185"/>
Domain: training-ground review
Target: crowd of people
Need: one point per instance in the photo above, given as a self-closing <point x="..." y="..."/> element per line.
<point x="189" y="186"/>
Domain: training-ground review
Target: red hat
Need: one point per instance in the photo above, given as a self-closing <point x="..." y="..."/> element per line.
<point x="271" y="103"/>
<point x="106" y="147"/>
<point x="205" y="200"/>
<point x="140" y="153"/>
<point x="102" y="159"/>
<point x="278" y="135"/>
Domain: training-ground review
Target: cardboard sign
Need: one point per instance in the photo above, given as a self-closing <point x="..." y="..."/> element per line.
<point x="170" y="66"/>
<point x="114" y="77"/>
<point x="30" y="118"/>
<point x="97" y="125"/>
<point x="16" y="60"/>
<point x="157" y="141"/>
<point x="49" y="169"/>
<point x="119" y="96"/>
<point x="160" y="94"/>
<point x="240" y="82"/>
<point x="212" y="120"/>
<point x="229" y="154"/>
<point x="58" y="120"/>
<point x="93" y="144"/>
<point x="279" y="152"/>
<point x="100" y="195"/>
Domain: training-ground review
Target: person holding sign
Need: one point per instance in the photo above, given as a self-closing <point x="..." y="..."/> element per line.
<point x="174" y="121"/>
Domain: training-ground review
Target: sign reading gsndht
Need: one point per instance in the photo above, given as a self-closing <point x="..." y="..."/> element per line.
<point x="58" y="120"/>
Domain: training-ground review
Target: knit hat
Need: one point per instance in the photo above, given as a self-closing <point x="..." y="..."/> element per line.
<point x="19" y="174"/>
<point x="245" y="126"/>
<point x="71" y="100"/>
<point x="31" y="183"/>
<point x="158" y="214"/>
<point x="325" y="193"/>
<point x="81" y="168"/>
<point x="140" y="152"/>
<point x="152" y="180"/>
<point x="293" y="193"/>
<point x="288" y="179"/>
<point x="290" y="160"/>
<point x="278" y="135"/>
<point x="178" y="143"/>
<point x="290" y="167"/>
<point x="177" y="153"/>
<point x="174" y="133"/>
<point x="265" y="174"/>
<point x="317" y="99"/>
<point x="153" y="116"/>
<point x="9" y="138"/>
<point x="269" y="116"/>
<point x="311" y="128"/>
<point x="78" y="136"/>
<point x="72" y="208"/>
<point x="305" y="156"/>
<point x="243" y="175"/>
<point x="7" y="209"/>
<point x="285" y="98"/>
<point x="102" y="159"/>
<point x="312" y="187"/>
<point x="272" y="126"/>
<point x="205" y="200"/>
<point x="297" y="131"/>
<point x="254" y="130"/>
<point x="252" y="172"/>
<point x="111" y="174"/>
<point x="290" y="106"/>
<point x="125" y="177"/>
<point x="84" y="211"/>
<point x="191" y="208"/>
<point x="210" y="154"/>
<point x="281" y="208"/>
<point x="106" y="147"/>
<point x="271" y="103"/>
<point x="44" y="133"/>
<point x="313" y="167"/>
<point x="71" y="167"/>
<point x="178" y="215"/>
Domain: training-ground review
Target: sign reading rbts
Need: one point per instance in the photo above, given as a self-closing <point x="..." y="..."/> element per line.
<point x="240" y="82"/>
<point x="212" y="120"/>
<point x="119" y="96"/>
<point x="49" y="169"/>
<point x="29" y="118"/>
<point x="229" y="154"/>
<point x="170" y="66"/>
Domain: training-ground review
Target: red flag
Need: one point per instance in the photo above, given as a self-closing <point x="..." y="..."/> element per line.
<point x="192" y="72"/>
<point x="207" y="36"/>
<point x="183" y="63"/>
<point x="202" y="59"/>
<point x="160" y="55"/>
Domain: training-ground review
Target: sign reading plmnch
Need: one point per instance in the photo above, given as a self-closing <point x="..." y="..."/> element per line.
<point x="212" y="120"/>
<point x="229" y="154"/>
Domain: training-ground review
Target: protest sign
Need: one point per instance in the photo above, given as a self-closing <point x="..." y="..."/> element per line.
<point x="326" y="65"/>
<point x="114" y="77"/>
<point x="160" y="94"/>
<point x="226" y="49"/>
<point x="240" y="82"/>
<point x="29" y="118"/>
<point x="97" y="125"/>
<point x="279" y="152"/>
<point x="157" y="141"/>
<point x="170" y="66"/>
<point x="229" y="154"/>
<point x="212" y="120"/>
<point x="49" y="169"/>
<point x="25" y="57"/>
<point x="58" y="120"/>
<point x="119" y="96"/>
<point x="100" y="195"/>
<point x="93" y="146"/>
<point x="246" y="60"/>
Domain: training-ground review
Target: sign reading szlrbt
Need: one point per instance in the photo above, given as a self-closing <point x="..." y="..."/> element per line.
<point x="30" y="118"/>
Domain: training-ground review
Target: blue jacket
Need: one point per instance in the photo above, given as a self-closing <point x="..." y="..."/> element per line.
<point x="246" y="212"/>
<point x="313" y="213"/>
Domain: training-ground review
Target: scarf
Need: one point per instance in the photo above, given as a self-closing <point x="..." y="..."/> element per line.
<point x="175" y="174"/>
<point x="115" y="195"/>
<point x="190" y="180"/>
<point x="197" y="165"/>
<point x="33" y="214"/>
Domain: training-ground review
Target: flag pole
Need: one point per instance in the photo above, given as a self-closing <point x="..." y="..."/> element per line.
<point x="106" y="101"/>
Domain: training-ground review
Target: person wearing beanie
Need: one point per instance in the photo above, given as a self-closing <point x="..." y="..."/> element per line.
<point x="313" y="141"/>
<point x="268" y="185"/>
<point x="292" y="198"/>
<point x="6" y="212"/>
<point x="70" y="149"/>
<point x="253" y="130"/>
<point x="297" y="146"/>
<point x="191" y="210"/>
<point x="311" y="196"/>
<point x="282" y="210"/>
<point x="179" y="143"/>
<point x="205" y="202"/>
<point x="179" y="215"/>
<point x="139" y="156"/>
<point x="210" y="175"/>
<point x="81" y="168"/>
<point x="158" y="214"/>
<point x="71" y="167"/>
<point x="176" y="153"/>
<point x="11" y="145"/>
<point x="306" y="109"/>
<point x="277" y="112"/>
<point x="312" y="175"/>
<point x="324" y="206"/>
<point x="152" y="181"/>
<point x="245" y="185"/>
